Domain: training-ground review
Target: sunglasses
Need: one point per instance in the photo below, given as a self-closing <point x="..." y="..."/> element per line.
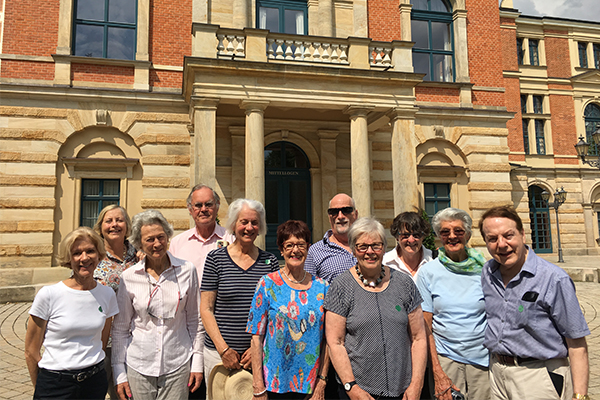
<point x="344" y="210"/>
<point x="457" y="232"/>
<point x="407" y="235"/>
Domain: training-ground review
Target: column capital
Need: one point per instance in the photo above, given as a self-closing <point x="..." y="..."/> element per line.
<point x="254" y="105"/>
<point x="402" y="113"/>
<point x="459" y="14"/>
<point x="237" y="131"/>
<point x="356" y="110"/>
<point x="328" y="134"/>
<point x="405" y="8"/>
<point x="204" y="103"/>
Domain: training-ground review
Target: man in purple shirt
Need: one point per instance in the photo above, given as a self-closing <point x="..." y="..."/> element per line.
<point x="536" y="330"/>
<point x="194" y="244"/>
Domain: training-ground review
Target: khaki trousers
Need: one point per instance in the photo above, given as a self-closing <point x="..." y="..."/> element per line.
<point x="530" y="380"/>
<point x="472" y="380"/>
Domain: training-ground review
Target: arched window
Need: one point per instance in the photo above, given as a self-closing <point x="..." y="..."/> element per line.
<point x="592" y="124"/>
<point x="433" y="52"/>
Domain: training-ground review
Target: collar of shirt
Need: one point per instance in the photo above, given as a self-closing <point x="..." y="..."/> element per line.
<point x="391" y="259"/>
<point x="329" y="243"/>
<point x="140" y="267"/>
<point x="216" y="232"/>
<point x="529" y="267"/>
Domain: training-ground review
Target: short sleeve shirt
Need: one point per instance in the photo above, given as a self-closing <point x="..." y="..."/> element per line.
<point x="291" y="321"/>
<point x="456" y="302"/>
<point x="327" y="260"/>
<point x="108" y="272"/>
<point x="377" y="338"/>
<point x="235" y="289"/>
<point x="532" y="315"/>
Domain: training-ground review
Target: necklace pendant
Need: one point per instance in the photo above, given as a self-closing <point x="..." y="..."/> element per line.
<point x="372" y="284"/>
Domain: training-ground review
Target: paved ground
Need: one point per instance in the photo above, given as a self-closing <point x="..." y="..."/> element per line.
<point x="15" y="382"/>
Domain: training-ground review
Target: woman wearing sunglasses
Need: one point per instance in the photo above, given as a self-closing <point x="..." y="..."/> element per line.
<point x="374" y="324"/>
<point x="409" y="255"/>
<point x="454" y="310"/>
<point x="157" y="342"/>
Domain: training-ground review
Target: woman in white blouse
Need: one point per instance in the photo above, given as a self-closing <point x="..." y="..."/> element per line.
<point x="157" y="342"/>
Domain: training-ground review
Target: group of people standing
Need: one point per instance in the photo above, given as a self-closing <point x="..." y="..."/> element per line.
<point x="337" y="319"/>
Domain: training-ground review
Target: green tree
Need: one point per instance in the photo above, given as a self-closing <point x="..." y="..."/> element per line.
<point x="429" y="241"/>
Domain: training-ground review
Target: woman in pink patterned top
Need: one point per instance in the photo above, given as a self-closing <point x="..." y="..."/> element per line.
<point x="114" y="225"/>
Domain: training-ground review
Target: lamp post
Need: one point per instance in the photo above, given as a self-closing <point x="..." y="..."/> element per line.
<point x="583" y="147"/>
<point x="559" y="198"/>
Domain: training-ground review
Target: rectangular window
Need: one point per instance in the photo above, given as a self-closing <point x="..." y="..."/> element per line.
<point x="526" y="136"/>
<point x="105" y="28"/>
<point x="596" y="56"/>
<point x="520" y="51"/>
<point x="538" y="104"/>
<point x="95" y="195"/>
<point x="523" y="104"/>
<point x="437" y="197"/>
<point x="283" y="16"/>
<point x="540" y="140"/>
<point x="533" y="52"/>
<point x="583" y="61"/>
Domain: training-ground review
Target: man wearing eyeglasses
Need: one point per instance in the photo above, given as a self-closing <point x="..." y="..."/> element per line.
<point x="194" y="244"/>
<point x="536" y="330"/>
<point x="331" y="255"/>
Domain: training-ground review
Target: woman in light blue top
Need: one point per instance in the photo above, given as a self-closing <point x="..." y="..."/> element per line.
<point x="454" y="310"/>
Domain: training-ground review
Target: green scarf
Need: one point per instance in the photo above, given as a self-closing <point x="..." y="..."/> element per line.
<point x="472" y="265"/>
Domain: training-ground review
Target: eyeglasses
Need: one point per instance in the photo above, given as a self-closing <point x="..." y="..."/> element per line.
<point x="290" y="246"/>
<point x="363" y="247"/>
<point x="457" y="232"/>
<point x="152" y="290"/>
<point x="335" y="211"/>
<point x="208" y="204"/>
<point x="407" y="235"/>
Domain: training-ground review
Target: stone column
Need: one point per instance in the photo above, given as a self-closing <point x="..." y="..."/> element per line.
<point x="317" y="206"/>
<point x="204" y="116"/>
<point x="461" y="52"/>
<point x="238" y="182"/>
<point x="328" y="169"/>
<point x="405" y="26"/>
<point x="255" y="153"/>
<point x="588" y="221"/>
<point x="404" y="160"/>
<point x="361" y="160"/>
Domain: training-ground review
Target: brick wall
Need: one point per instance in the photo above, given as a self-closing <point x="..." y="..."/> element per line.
<point x="384" y="20"/>
<point x="564" y="134"/>
<point x="438" y="94"/>
<point x="102" y="73"/>
<point x="169" y="79"/>
<point x="510" y="60"/>
<point x="514" y="126"/>
<point x="557" y="56"/>
<point x="30" y="27"/>
<point x="27" y="70"/>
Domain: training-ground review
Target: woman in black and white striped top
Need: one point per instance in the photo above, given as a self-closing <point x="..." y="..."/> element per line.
<point x="228" y="284"/>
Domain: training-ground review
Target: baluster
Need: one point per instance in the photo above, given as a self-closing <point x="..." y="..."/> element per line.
<point x="325" y="55"/>
<point x="220" y="46"/>
<point x="289" y="54"/>
<point x="334" y="53"/>
<point x="317" y="54"/>
<point x="239" y="50"/>
<point x="386" y="57"/>
<point x="371" y="55"/>
<point x="306" y="56"/>
<point x="279" y="50"/>
<point x="230" y="47"/>
<point x="298" y="50"/>
<point x="270" y="51"/>
<point x="343" y="53"/>
<point x="378" y="51"/>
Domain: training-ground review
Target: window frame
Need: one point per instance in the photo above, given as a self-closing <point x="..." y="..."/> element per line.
<point x="582" y="50"/>
<point x="520" y="51"/>
<point x="435" y="199"/>
<point x="534" y="48"/>
<point x="440" y="17"/>
<point x="540" y="138"/>
<point x="538" y="104"/>
<point x="283" y="5"/>
<point x="106" y="24"/>
<point x="594" y="121"/>
<point x="525" y="125"/>
<point x="596" y="52"/>
<point x="101" y="198"/>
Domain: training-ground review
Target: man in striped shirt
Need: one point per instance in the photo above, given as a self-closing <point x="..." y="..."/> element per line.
<point x="536" y="330"/>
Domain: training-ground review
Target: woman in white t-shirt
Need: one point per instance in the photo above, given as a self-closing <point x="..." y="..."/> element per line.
<point x="72" y="319"/>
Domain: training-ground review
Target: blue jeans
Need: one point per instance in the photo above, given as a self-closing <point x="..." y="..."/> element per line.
<point x="53" y="385"/>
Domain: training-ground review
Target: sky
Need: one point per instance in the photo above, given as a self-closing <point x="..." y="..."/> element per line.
<point x="587" y="10"/>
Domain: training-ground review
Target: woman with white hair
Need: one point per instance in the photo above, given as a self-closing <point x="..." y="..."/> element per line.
<point x="454" y="310"/>
<point x="156" y="336"/>
<point x="374" y="324"/>
<point x="228" y="284"/>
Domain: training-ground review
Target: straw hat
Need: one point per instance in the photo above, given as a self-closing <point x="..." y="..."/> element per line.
<point x="224" y="384"/>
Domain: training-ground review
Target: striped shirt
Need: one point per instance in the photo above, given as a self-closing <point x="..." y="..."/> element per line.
<point x="326" y="259"/>
<point x="235" y="289"/>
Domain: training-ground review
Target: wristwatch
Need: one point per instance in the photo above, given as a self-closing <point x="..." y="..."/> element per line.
<point x="348" y="385"/>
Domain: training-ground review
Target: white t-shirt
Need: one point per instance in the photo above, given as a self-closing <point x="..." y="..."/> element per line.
<point x="73" y="337"/>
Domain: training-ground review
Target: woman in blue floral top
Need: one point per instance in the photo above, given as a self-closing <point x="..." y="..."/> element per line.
<point x="286" y="320"/>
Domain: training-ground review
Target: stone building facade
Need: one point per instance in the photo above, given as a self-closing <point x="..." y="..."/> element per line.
<point x="401" y="105"/>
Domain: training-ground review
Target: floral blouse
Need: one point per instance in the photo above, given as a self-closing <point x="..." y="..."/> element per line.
<point x="291" y="321"/>
<point x="108" y="272"/>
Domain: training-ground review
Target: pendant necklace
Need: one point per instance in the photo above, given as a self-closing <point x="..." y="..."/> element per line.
<point x="291" y="280"/>
<point x="372" y="283"/>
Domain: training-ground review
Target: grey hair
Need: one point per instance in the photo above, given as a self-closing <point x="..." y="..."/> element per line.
<point x="202" y="186"/>
<point x="365" y="226"/>
<point x="451" y="214"/>
<point x="351" y="201"/>
<point x="148" y="217"/>
<point x="236" y="207"/>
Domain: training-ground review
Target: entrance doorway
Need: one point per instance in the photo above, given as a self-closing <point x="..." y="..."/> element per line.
<point x="539" y="215"/>
<point x="287" y="188"/>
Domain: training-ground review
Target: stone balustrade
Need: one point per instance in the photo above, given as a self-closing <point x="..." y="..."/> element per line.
<point x="212" y="41"/>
